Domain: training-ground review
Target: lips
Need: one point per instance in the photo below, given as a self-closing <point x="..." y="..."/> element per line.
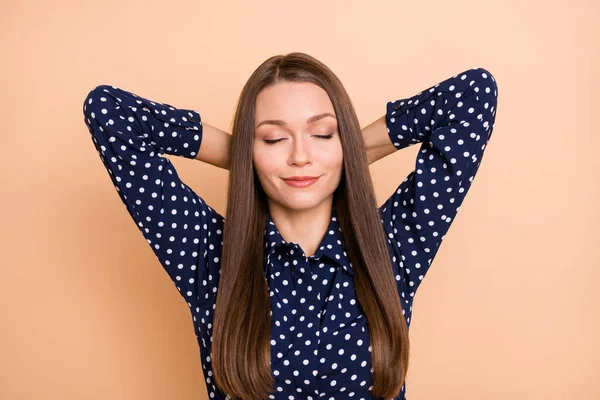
<point x="301" y="181"/>
<point x="300" y="178"/>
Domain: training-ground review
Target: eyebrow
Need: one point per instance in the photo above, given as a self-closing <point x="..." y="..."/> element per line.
<point x="279" y="122"/>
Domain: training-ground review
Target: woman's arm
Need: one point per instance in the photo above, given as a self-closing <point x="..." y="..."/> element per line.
<point x="377" y="140"/>
<point x="453" y="121"/>
<point x="130" y="134"/>
<point x="216" y="146"/>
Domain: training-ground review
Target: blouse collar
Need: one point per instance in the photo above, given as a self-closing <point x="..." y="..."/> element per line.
<point x="331" y="245"/>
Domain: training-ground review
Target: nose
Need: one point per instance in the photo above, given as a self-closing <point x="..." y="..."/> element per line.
<point x="301" y="151"/>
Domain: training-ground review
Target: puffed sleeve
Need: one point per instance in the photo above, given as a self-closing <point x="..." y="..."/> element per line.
<point x="131" y="134"/>
<point x="453" y="120"/>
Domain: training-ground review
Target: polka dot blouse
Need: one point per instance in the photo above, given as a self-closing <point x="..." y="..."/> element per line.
<point x="319" y="337"/>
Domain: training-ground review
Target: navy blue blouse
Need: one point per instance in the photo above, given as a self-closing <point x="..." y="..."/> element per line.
<point x="319" y="336"/>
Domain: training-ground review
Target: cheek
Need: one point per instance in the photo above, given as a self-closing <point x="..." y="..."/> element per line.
<point x="333" y="157"/>
<point x="266" y="161"/>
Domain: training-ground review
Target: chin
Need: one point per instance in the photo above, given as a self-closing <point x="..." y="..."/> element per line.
<point x="301" y="202"/>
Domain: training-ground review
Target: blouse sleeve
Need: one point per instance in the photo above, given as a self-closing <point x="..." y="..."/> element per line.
<point x="453" y="120"/>
<point x="131" y="134"/>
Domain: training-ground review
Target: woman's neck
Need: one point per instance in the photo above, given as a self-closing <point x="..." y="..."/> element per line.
<point x="303" y="226"/>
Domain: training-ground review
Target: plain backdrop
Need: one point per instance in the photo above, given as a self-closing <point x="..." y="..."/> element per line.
<point x="510" y="306"/>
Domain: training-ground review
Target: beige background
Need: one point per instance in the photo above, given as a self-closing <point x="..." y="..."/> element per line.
<point x="509" y="309"/>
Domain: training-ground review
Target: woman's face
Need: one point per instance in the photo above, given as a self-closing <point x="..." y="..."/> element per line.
<point x="301" y="147"/>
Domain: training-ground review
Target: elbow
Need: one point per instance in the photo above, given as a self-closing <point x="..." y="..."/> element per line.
<point x="487" y="96"/>
<point x="487" y="82"/>
<point x="483" y="93"/>
<point x="92" y="100"/>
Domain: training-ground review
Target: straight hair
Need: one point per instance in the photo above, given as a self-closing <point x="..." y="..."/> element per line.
<point x="240" y="353"/>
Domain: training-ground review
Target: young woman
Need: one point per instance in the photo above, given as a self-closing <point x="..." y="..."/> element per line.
<point x="306" y="292"/>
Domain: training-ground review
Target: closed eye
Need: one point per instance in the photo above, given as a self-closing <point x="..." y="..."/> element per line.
<point x="319" y="136"/>
<point x="325" y="136"/>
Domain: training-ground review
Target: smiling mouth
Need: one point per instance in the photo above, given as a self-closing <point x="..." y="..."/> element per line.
<point x="301" y="182"/>
<point x="300" y="178"/>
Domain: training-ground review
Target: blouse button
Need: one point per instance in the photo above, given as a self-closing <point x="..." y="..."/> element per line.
<point x="191" y="118"/>
<point x="397" y="106"/>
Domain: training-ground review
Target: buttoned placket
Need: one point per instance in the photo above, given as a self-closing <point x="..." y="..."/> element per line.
<point x="308" y="328"/>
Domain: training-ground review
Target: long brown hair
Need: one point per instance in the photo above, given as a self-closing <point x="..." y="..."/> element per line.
<point x="242" y="323"/>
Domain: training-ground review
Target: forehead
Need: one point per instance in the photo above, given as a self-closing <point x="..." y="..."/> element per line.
<point x="292" y="102"/>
